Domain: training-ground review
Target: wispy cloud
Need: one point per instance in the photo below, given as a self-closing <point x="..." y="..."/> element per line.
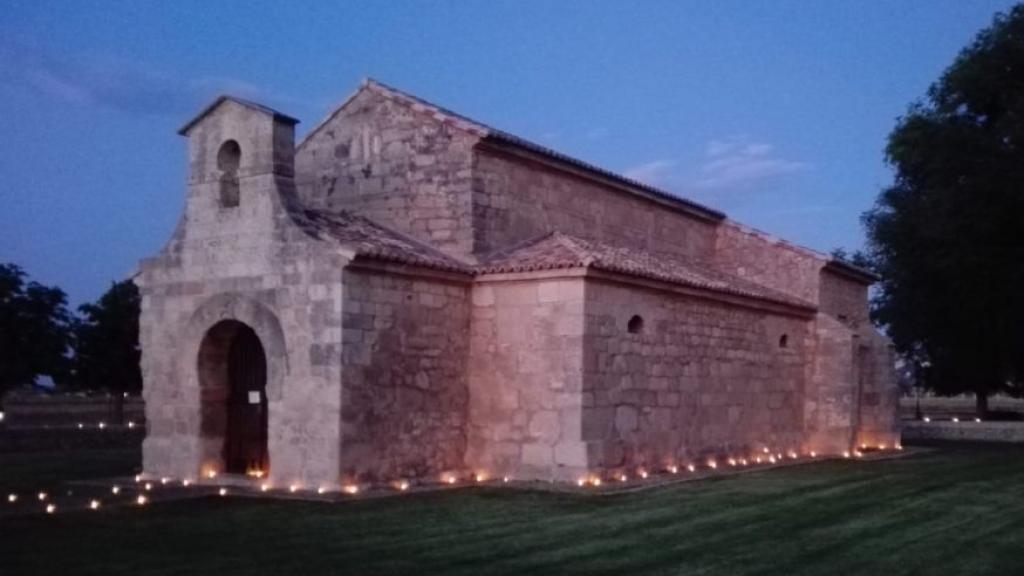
<point x="597" y="133"/>
<point x="117" y="83"/>
<point x="658" y="172"/>
<point x="738" y="162"/>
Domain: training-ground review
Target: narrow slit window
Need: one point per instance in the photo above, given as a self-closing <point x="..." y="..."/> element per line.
<point x="228" y="158"/>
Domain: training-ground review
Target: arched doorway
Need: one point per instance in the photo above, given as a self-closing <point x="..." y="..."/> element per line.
<point x="233" y="381"/>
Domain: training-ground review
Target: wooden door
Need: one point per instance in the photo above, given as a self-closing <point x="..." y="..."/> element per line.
<point x="245" y="441"/>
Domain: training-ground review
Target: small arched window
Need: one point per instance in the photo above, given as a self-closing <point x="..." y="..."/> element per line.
<point x="635" y="325"/>
<point x="228" y="158"/>
<point x="784" y="341"/>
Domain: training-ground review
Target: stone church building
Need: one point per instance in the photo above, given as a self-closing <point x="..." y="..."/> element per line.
<point x="408" y="293"/>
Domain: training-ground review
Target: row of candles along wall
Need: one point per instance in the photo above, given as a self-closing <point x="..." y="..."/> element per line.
<point x="766" y="457"/>
<point x="132" y="424"/>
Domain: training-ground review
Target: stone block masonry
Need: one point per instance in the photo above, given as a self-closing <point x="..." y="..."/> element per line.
<point x="410" y="295"/>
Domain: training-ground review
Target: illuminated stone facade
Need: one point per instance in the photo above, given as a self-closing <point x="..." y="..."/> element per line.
<point x="434" y="296"/>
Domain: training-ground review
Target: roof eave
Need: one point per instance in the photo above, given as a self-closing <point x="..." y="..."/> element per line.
<point x="278" y="116"/>
<point x="851" y="271"/>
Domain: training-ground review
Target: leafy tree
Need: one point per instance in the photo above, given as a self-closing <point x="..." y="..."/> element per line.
<point x="946" y="236"/>
<point x="34" y="330"/>
<point x="107" y="343"/>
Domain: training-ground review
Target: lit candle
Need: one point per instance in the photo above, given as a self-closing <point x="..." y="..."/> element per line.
<point x="643" y="474"/>
<point x="12" y="498"/>
<point x="352" y="489"/>
<point x="504" y="479"/>
<point x="131" y="424"/>
<point x="94" y="504"/>
<point x="165" y="480"/>
<point x="814" y="454"/>
<point x="927" y="419"/>
<point x="673" y="469"/>
<point x="623" y="478"/>
<point x="186" y="482"/>
<point x="115" y="490"/>
<point x="141" y="500"/>
<point x="955" y="419"/>
<point x="51" y="508"/>
<point x="691" y="467"/>
<point x="223" y="491"/>
<point x="403" y="485"/>
<point x="846" y="453"/>
<point x="42" y="496"/>
<point x="148" y="486"/>
<point x="732" y="461"/>
<point x="321" y="490"/>
<point x="597" y="481"/>
<point x="712" y="464"/>
<point x="293" y="488"/>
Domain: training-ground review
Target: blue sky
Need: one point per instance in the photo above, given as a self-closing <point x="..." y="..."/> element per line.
<point x="775" y="112"/>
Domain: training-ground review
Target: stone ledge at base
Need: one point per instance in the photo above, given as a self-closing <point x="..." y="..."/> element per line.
<point x="964" y="431"/>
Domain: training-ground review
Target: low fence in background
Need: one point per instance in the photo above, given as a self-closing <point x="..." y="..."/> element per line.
<point x="37" y="422"/>
<point x="70" y="410"/>
<point x="938" y="408"/>
<point x="964" y="431"/>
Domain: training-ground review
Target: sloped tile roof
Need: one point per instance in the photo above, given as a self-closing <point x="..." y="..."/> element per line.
<point x="551" y="251"/>
<point x="557" y="250"/>
<point x="371" y="240"/>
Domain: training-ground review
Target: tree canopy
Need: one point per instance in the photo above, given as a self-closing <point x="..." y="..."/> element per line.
<point x="107" y="341"/>
<point x="946" y="236"/>
<point x="34" y="336"/>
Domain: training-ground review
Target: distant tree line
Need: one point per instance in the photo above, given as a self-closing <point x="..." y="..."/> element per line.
<point x="95" y="349"/>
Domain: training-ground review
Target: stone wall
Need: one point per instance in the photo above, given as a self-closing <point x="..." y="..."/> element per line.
<point x="830" y="398"/>
<point x="404" y="379"/>
<point x="844" y="299"/>
<point x="526" y="378"/>
<point x="699" y="378"/>
<point x="247" y="263"/>
<point x="768" y="261"/>
<point x="398" y="166"/>
<point x="878" y="421"/>
<point x="515" y="200"/>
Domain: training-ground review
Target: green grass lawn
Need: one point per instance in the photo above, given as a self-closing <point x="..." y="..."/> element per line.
<point x="959" y="510"/>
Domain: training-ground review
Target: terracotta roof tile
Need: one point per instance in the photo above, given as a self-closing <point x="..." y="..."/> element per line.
<point x="371" y="240"/>
<point x="557" y="250"/>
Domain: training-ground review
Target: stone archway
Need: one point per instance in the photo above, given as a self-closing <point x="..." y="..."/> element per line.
<point x="205" y="359"/>
<point x="232" y="369"/>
